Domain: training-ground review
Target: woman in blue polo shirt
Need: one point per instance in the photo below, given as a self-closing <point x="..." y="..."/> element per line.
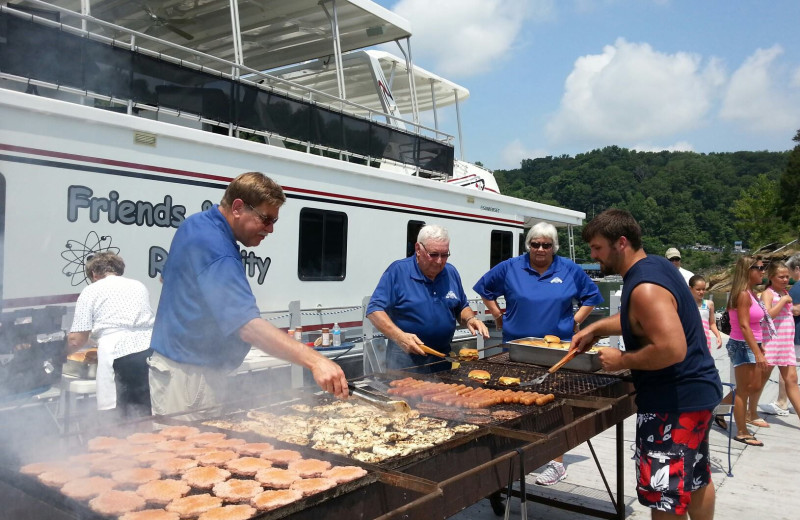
<point x="539" y="288"/>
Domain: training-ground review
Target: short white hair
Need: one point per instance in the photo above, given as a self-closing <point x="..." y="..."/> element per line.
<point x="542" y="230"/>
<point x="793" y="262"/>
<point x="432" y="233"/>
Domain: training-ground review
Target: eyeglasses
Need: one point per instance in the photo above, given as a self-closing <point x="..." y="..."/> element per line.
<point x="761" y="268"/>
<point x="542" y="245"/>
<point x="435" y="256"/>
<point x="265" y="219"/>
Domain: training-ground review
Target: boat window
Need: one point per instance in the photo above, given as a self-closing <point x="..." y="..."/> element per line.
<point x="502" y="247"/>
<point x="322" y="254"/>
<point x="521" y="248"/>
<point x="412" y="231"/>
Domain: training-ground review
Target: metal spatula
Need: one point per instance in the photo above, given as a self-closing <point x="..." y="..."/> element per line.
<point x="384" y="402"/>
<point x="566" y="359"/>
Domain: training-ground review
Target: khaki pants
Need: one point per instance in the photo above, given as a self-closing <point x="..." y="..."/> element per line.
<point x="177" y="388"/>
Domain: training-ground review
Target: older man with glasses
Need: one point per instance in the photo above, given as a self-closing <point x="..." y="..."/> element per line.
<point x="418" y="301"/>
<point x="207" y="316"/>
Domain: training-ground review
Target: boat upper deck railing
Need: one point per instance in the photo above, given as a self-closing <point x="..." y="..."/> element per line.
<point x="52" y="54"/>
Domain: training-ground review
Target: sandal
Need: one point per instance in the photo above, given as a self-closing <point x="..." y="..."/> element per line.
<point x="761" y="423"/>
<point x="720" y="421"/>
<point x="749" y="440"/>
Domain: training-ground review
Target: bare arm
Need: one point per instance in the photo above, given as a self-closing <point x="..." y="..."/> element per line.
<point x="581" y="315"/>
<point x="774" y="308"/>
<point x="584" y="339"/>
<point x="473" y="323"/>
<point x="495" y="311"/>
<point x="404" y="340"/>
<point x="77" y="340"/>
<point x="654" y="320"/>
<point x="265" y="336"/>
<point x="712" y="323"/>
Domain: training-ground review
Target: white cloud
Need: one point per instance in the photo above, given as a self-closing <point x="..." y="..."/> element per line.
<point x="514" y="152"/>
<point x="680" y="146"/>
<point x="758" y="96"/>
<point x="633" y="93"/>
<point x="461" y="38"/>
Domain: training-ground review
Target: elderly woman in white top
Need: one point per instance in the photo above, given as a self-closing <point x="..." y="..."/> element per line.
<point x="117" y="310"/>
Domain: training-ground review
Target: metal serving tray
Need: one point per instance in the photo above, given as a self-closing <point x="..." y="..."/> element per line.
<point x="80" y="369"/>
<point x="519" y="351"/>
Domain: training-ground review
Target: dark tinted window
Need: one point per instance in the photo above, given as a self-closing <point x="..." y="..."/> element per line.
<point x="522" y="242"/>
<point x="502" y="247"/>
<point x="412" y="231"/>
<point x="323" y="245"/>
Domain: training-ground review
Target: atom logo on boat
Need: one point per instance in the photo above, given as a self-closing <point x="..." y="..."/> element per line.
<point x="78" y="253"/>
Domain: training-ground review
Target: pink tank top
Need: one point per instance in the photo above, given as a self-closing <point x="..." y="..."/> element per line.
<point x="756" y="315"/>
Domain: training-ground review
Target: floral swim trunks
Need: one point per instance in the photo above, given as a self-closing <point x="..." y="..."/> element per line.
<point x="671" y="458"/>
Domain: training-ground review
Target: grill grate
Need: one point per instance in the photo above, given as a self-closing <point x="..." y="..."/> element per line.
<point x="561" y="382"/>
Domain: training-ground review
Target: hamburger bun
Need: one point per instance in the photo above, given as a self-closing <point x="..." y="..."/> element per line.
<point x="508" y="381"/>
<point x="468" y="354"/>
<point x="552" y="339"/>
<point x="479" y="375"/>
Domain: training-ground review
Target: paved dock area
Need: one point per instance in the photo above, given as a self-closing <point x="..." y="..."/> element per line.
<point x="764" y="486"/>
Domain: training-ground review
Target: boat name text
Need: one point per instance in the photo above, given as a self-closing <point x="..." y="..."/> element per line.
<point x="490" y="208"/>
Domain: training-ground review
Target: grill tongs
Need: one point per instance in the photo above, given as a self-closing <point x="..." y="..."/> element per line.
<point x="566" y="359"/>
<point x="377" y="399"/>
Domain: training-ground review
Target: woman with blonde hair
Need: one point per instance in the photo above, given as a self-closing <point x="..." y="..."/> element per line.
<point x="779" y="350"/>
<point x="744" y="347"/>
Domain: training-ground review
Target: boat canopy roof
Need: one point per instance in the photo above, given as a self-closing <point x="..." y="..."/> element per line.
<point x="274" y="33"/>
<point x="433" y="91"/>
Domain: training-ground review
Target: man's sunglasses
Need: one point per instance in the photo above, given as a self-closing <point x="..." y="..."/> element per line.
<point x="435" y="256"/>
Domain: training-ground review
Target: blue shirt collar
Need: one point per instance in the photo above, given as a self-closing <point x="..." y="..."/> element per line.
<point x="221" y="222"/>
<point x="551" y="270"/>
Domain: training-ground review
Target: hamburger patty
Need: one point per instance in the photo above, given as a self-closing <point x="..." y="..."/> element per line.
<point x="162" y="492"/>
<point x="174" y="466"/>
<point x="217" y="458"/>
<point x="116" y="502"/>
<point x="135" y="476"/>
<point x="193" y="505"/>
<point x="204" y="438"/>
<point x="342" y="474"/>
<point x="277" y="478"/>
<point x="308" y="468"/>
<point x="312" y="486"/>
<point x="232" y="512"/>
<point x="59" y="477"/>
<point x="281" y="457"/>
<point x="104" y="443"/>
<point x="87" y="487"/>
<point x="253" y="449"/>
<point x="237" y="490"/>
<point x="273" y="499"/>
<point x="178" y="431"/>
<point x="247" y="466"/>
<point x="205" y="477"/>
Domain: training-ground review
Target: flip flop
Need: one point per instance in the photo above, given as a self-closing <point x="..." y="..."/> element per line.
<point x="761" y="423"/>
<point x="749" y="440"/>
<point x="721" y="422"/>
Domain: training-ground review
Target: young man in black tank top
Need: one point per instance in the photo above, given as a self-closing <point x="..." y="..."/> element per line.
<point x="676" y="381"/>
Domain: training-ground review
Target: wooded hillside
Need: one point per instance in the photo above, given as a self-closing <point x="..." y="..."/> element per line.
<point x="680" y="198"/>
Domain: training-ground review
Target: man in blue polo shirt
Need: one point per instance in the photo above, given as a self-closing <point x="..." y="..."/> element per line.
<point x="418" y="301"/>
<point x="207" y="317"/>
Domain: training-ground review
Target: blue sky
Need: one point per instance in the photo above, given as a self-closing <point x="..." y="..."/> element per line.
<point x="552" y="77"/>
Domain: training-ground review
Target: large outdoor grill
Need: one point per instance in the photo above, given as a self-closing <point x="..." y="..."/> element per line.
<point x="435" y="481"/>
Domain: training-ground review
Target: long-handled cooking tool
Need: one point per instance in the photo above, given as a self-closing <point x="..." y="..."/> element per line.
<point x="436" y="353"/>
<point x="539" y="380"/>
<point x="384" y="402"/>
<point x="566" y="359"/>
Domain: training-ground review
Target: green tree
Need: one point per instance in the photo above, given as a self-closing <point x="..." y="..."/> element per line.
<point x="790" y="187"/>
<point x="756" y="213"/>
